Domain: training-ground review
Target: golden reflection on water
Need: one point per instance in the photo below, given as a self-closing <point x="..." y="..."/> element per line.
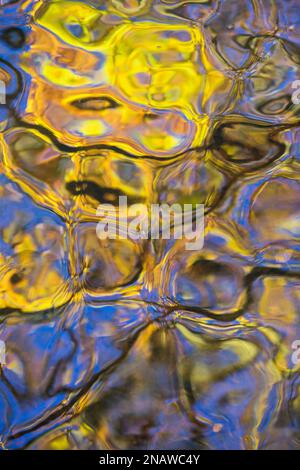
<point x="128" y="344"/>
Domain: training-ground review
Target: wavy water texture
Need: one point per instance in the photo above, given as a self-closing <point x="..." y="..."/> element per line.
<point x="141" y="344"/>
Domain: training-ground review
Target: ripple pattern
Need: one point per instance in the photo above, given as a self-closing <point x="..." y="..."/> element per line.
<point x="140" y="344"/>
